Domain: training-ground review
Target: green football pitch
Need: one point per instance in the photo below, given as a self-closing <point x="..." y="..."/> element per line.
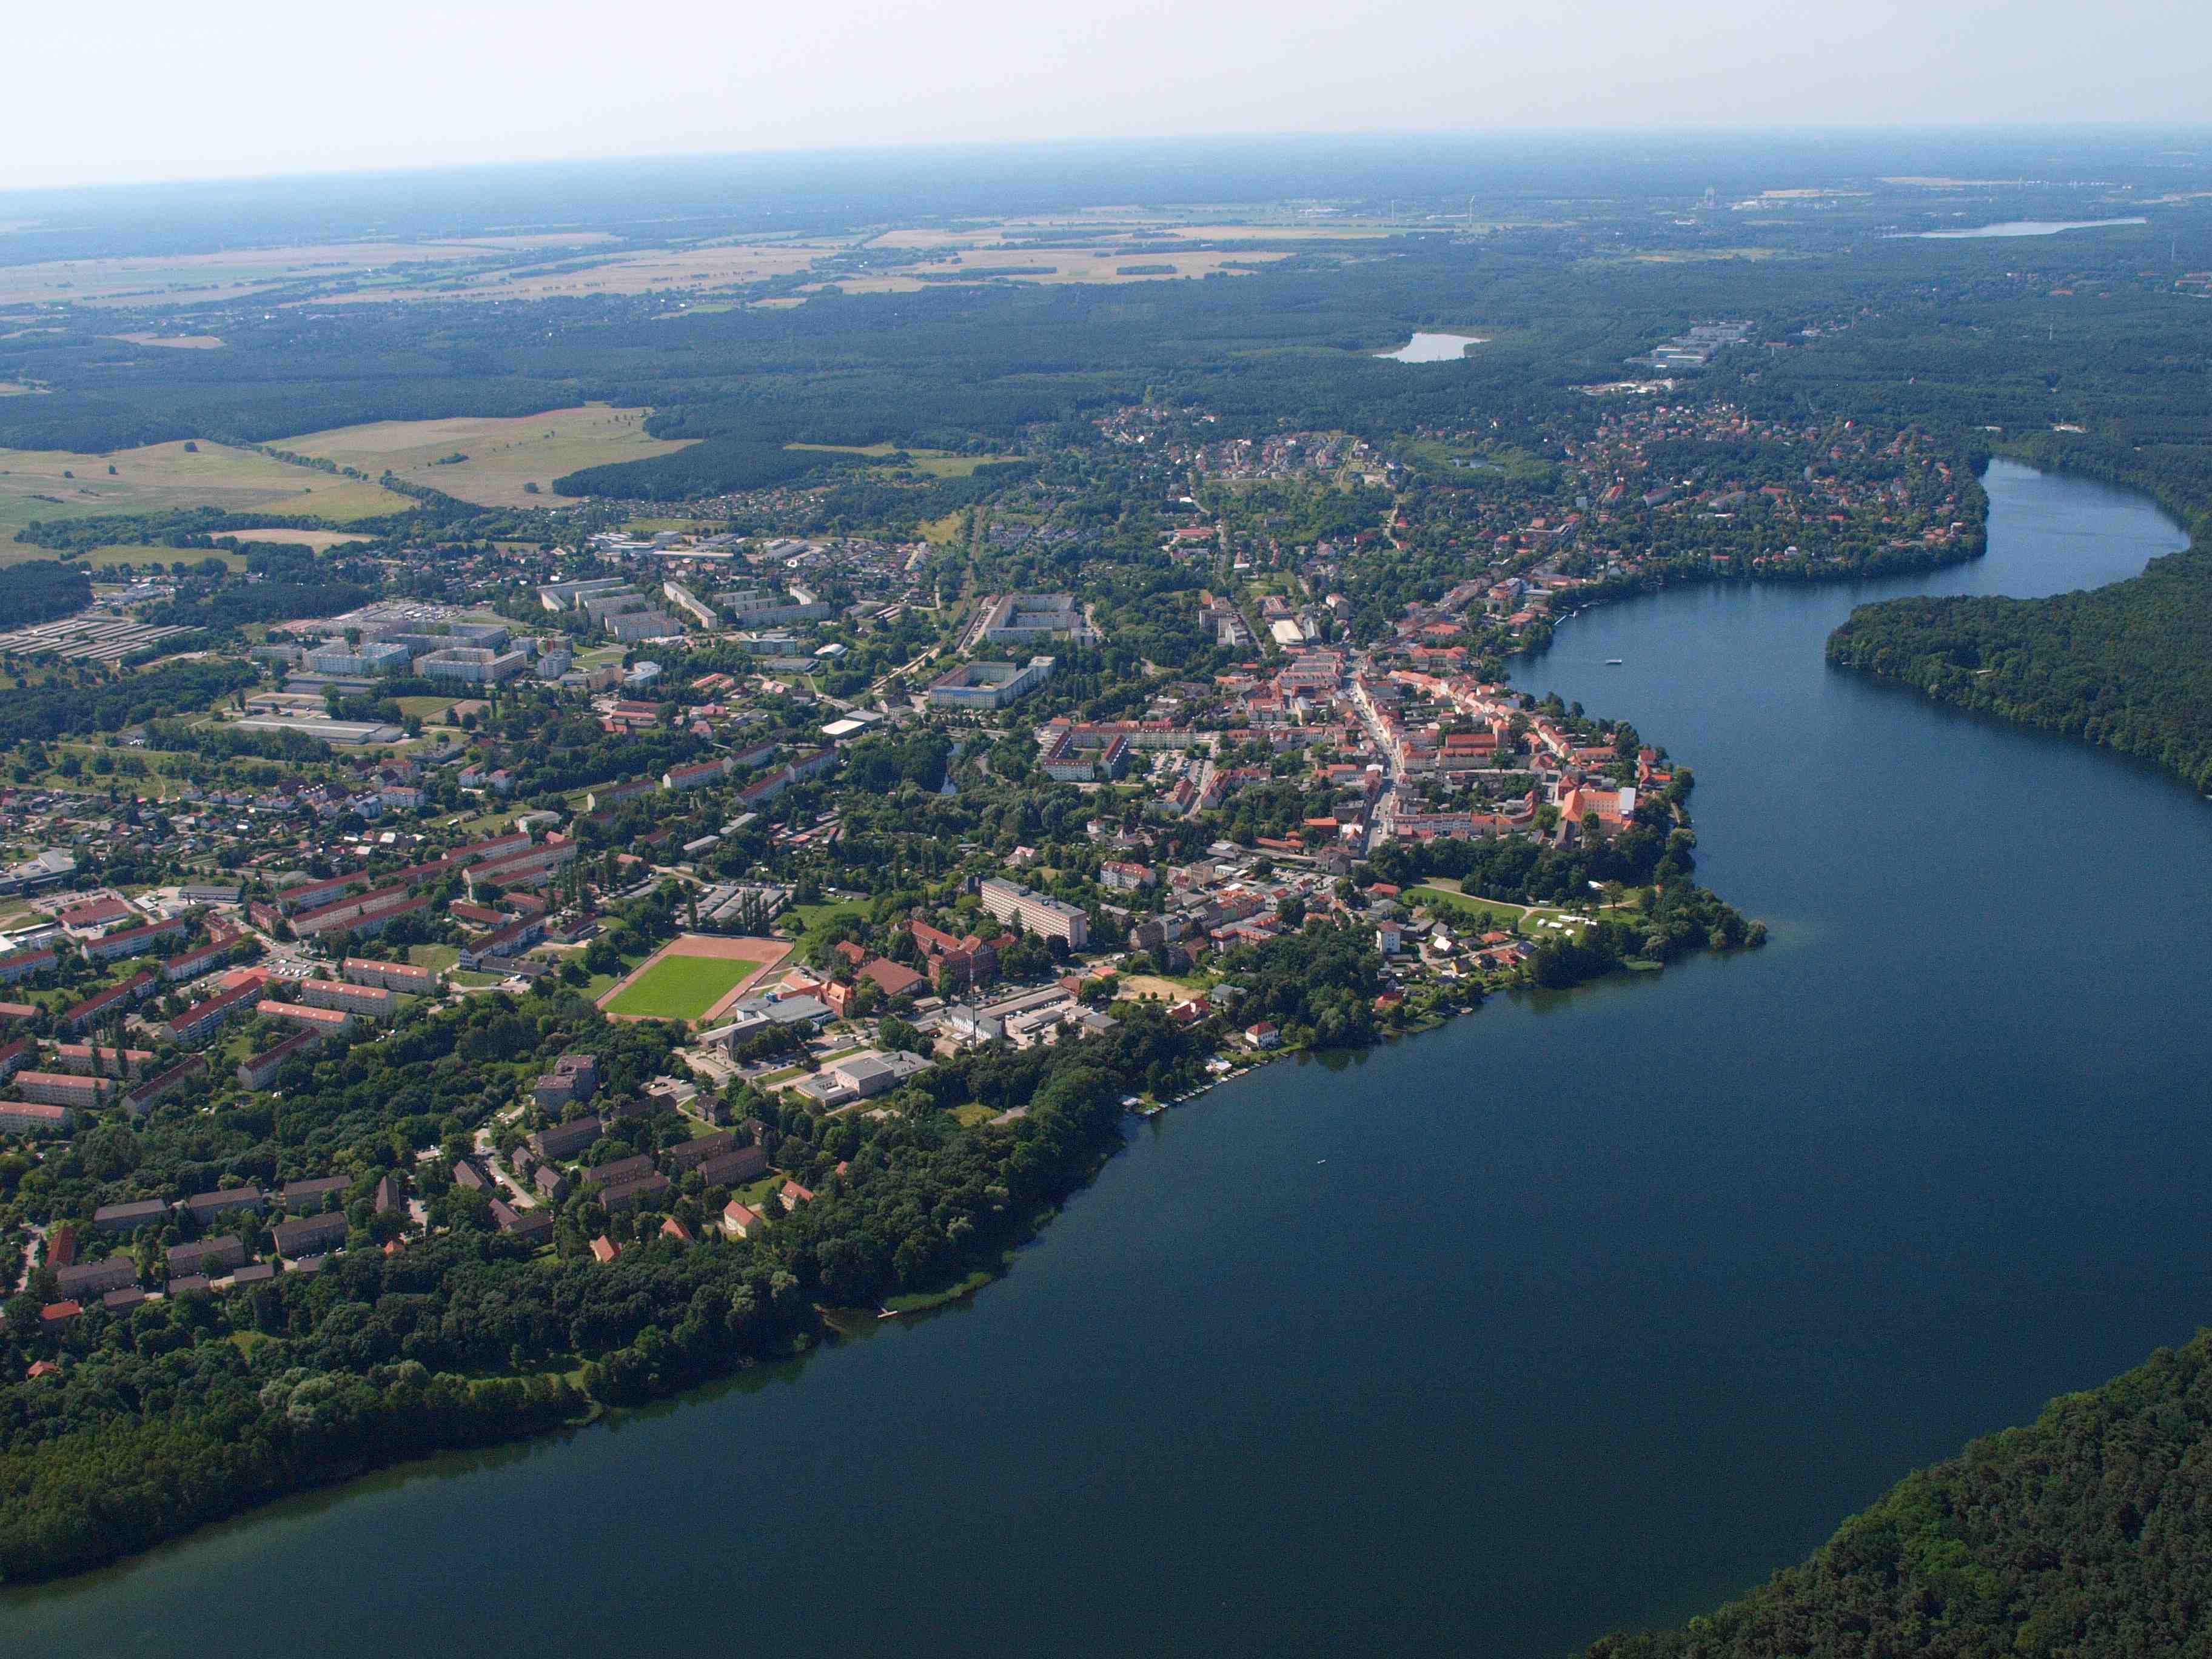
<point x="681" y="987"/>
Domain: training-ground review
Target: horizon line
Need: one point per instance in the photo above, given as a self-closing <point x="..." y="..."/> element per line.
<point x="946" y="147"/>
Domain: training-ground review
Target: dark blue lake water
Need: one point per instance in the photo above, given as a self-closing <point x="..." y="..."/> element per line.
<point x="1582" y="1312"/>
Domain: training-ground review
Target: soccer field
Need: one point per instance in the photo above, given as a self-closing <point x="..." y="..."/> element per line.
<point x="681" y="987"/>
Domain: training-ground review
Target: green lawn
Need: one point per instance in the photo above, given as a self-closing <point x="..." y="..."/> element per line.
<point x="682" y="987"/>
<point x="811" y="916"/>
<point x="815" y="920"/>
<point x="439" y="957"/>
<point x="1460" y="906"/>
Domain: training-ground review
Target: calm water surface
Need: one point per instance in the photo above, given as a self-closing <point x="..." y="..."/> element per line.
<point x="1433" y="349"/>
<point x="2020" y="228"/>
<point x="1582" y="1312"/>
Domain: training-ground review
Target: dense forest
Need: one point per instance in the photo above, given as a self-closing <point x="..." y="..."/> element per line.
<point x="2083" y="1534"/>
<point x="157" y="1425"/>
<point x="2128" y="666"/>
<point x="55" y="708"/>
<point x="40" y="590"/>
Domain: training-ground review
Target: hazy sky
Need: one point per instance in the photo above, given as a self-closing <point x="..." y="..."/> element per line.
<point x="134" y="89"/>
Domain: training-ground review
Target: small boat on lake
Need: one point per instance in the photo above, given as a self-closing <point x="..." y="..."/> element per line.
<point x="1612" y="662"/>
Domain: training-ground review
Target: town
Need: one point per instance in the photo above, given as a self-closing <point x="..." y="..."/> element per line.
<point x="387" y="814"/>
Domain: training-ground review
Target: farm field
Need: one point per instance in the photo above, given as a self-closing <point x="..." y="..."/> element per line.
<point x="709" y="265"/>
<point x="1069" y="265"/>
<point x="239" y="272"/>
<point x="175" y="342"/>
<point x="162" y="477"/>
<point x="579" y="262"/>
<point x="107" y="558"/>
<point x="504" y="452"/>
<point x="320" y="540"/>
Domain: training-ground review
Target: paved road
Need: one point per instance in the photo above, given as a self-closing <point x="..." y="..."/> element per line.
<point x="1382" y="822"/>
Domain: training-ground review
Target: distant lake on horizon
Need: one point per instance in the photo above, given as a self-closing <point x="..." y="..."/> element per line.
<point x="1433" y="349"/>
<point x="2011" y="228"/>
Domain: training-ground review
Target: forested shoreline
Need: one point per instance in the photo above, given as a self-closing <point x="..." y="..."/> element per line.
<point x="2074" y="1535"/>
<point x="175" y="1413"/>
<point x="2126" y="667"/>
<point x="2082" y="1533"/>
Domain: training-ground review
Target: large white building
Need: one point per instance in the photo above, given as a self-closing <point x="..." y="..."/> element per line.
<point x="472" y="666"/>
<point x="1016" y="618"/>
<point x="1048" y="918"/>
<point x="369" y="656"/>
<point x="980" y="685"/>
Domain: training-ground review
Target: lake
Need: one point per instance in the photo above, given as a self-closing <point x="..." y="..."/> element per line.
<point x="1583" y="1311"/>
<point x="2019" y="227"/>
<point x="1433" y="349"/>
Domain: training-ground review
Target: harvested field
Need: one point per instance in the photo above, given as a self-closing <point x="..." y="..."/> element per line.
<point x="238" y="273"/>
<point x="35" y="483"/>
<point x="121" y="553"/>
<point x="503" y="453"/>
<point x="320" y="540"/>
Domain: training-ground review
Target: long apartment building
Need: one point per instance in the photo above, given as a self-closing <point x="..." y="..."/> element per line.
<point x="22" y="964"/>
<point x="259" y="1071"/>
<point x="330" y="1021"/>
<point x="369" y="1001"/>
<point x="391" y="976"/>
<point x="32" y="1117"/>
<point x="61" y="1089"/>
<point x="98" y="1058"/>
<point x="102" y="1004"/>
<point x="204" y="1019"/>
<point x="193" y="963"/>
<point x="369" y="913"/>
<point x="1048" y="918"/>
<point x="987" y="685"/>
<point x="142" y="1099"/>
<point x="1020" y="617"/>
<point x="527" y="867"/>
<point x="133" y="941"/>
<point x="472" y="664"/>
<point x="506" y="941"/>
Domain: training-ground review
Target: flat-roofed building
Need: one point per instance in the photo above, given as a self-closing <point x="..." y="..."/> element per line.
<point x="1049" y="918"/>
<point x="472" y="666"/>
<point x="370" y="657"/>
<point x="987" y="685"/>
